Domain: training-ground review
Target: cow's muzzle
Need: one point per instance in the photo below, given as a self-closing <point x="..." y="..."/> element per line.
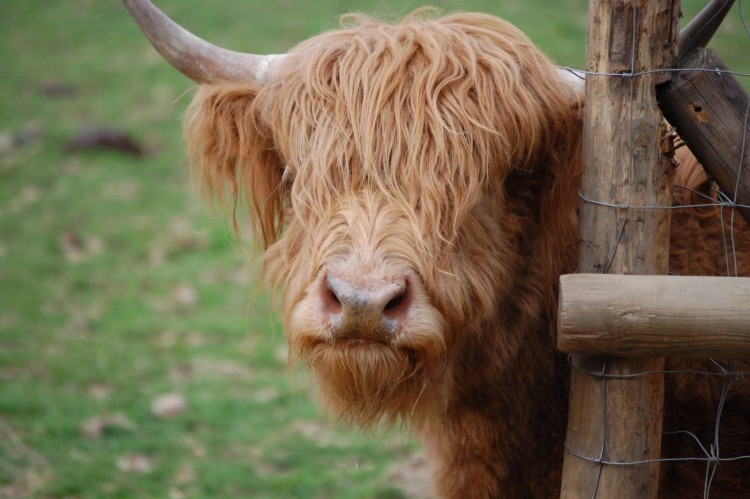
<point x="364" y="310"/>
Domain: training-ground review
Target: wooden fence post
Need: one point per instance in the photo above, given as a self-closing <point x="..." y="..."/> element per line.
<point x="610" y="419"/>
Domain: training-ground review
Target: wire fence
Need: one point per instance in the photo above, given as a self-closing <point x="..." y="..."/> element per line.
<point x="709" y="453"/>
<point x="719" y="444"/>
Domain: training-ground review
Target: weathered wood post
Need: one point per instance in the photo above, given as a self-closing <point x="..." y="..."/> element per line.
<point x="611" y="419"/>
<point x="709" y="108"/>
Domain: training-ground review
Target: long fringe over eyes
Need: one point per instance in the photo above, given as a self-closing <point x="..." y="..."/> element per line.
<point x="425" y="111"/>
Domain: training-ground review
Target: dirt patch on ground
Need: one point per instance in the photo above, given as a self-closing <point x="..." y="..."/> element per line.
<point x="412" y="475"/>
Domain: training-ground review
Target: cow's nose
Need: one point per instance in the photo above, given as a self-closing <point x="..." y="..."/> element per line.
<point x="365" y="309"/>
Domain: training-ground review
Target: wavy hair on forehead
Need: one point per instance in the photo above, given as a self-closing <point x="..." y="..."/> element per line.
<point x="424" y="111"/>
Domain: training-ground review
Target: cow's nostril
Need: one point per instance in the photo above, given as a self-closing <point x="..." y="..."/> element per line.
<point x="394" y="303"/>
<point x="398" y="304"/>
<point x="331" y="301"/>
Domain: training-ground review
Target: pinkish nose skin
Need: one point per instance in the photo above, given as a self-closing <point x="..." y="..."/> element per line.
<point x="366" y="310"/>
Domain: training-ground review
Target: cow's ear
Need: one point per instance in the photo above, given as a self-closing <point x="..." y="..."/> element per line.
<point x="233" y="159"/>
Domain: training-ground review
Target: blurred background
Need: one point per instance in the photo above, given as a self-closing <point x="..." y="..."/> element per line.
<point x="136" y="357"/>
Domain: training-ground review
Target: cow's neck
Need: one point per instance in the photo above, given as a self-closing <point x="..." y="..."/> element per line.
<point x="503" y="430"/>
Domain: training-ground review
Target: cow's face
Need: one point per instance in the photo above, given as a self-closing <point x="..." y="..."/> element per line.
<point x="394" y="174"/>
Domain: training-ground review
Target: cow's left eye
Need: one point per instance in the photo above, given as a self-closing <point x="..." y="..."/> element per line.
<point x="287" y="176"/>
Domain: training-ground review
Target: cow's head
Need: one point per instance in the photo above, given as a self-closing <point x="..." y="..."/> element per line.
<point x="407" y="181"/>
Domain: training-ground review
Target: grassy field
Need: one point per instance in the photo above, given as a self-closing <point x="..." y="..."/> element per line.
<point x="117" y="288"/>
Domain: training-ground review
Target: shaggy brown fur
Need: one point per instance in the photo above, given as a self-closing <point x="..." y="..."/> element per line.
<point x="446" y="154"/>
<point x="705" y="240"/>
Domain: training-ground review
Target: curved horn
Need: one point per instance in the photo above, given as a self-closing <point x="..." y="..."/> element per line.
<point x="702" y="28"/>
<point x="197" y="59"/>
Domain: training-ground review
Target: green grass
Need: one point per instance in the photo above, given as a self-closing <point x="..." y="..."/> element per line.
<point x="116" y="286"/>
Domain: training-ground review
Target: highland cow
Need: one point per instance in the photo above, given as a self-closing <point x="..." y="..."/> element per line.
<point x="414" y="186"/>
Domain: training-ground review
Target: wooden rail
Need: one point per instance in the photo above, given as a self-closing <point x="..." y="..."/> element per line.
<point x="667" y="316"/>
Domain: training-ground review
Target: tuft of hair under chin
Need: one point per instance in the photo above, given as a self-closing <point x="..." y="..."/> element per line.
<point x="366" y="385"/>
